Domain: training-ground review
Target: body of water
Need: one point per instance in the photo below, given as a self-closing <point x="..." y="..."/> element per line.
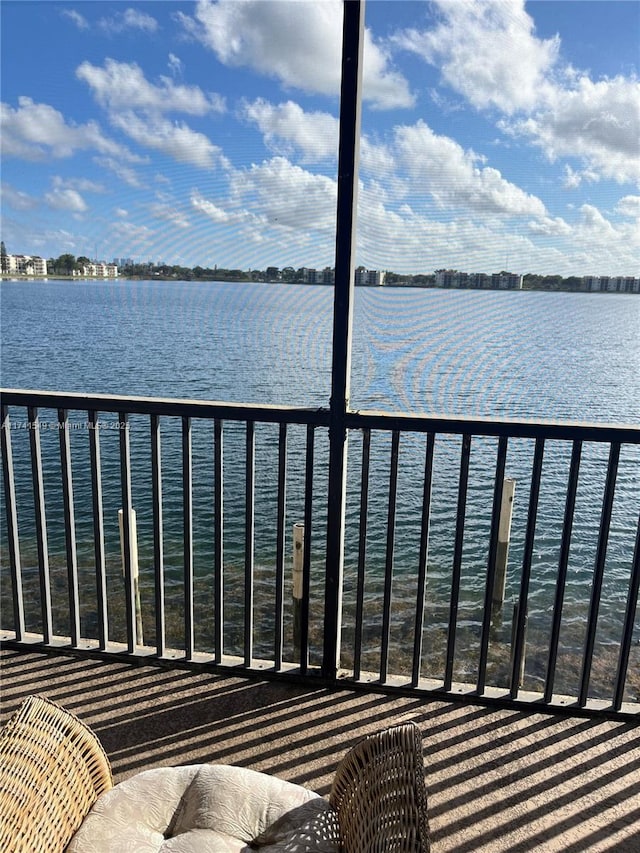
<point x="503" y="354"/>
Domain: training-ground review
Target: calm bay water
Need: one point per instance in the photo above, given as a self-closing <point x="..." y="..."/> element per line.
<point x="531" y="354"/>
<point x="513" y="354"/>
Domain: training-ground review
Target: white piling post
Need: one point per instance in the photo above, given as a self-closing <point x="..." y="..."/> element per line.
<point x="504" y="535"/>
<point x="298" y="585"/>
<point x="133" y="534"/>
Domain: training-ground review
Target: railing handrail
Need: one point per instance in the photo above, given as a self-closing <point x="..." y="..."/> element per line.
<point x="163" y="406"/>
<point x="355" y="419"/>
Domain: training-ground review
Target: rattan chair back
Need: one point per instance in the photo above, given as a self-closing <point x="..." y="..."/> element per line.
<point x="52" y="770"/>
<point x="380" y="794"/>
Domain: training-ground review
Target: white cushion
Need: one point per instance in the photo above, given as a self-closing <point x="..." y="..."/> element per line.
<point x="210" y="807"/>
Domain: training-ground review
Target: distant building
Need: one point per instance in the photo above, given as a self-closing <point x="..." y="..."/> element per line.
<point x="98" y="270"/>
<point x="478" y="280"/>
<point x="328" y="276"/>
<point x="25" y="264"/>
<point x="591" y="283"/>
<point x="506" y="281"/>
<point x="610" y="284"/>
<point x="369" y="278"/>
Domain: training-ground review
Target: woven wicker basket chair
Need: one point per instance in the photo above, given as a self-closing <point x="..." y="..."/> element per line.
<point x="380" y="794"/>
<point x="52" y="770"/>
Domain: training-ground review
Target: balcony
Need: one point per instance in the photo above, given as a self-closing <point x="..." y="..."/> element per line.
<point x="176" y="635"/>
<point x="497" y="779"/>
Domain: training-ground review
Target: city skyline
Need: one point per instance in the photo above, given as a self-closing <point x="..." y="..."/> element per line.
<point x="496" y="135"/>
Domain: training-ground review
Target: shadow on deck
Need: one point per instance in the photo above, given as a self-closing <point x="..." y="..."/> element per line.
<point x="498" y="780"/>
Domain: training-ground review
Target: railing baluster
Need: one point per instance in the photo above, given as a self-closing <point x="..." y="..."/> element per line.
<point x="158" y="544"/>
<point x="41" y="524"/>
<point x="629" y="624"/>
<point x="12" y="526"/>
<point x="457" y="560"/>
<point x="98" y="530"/>
<point x="596" y="586"/>
<point x="280" y="546"/>
<point x="69" y="526"/>
<point x="362" y="551"/>
<point x="565" y="547"/>
<point x="388" y="568"/>
<point x="616" y="487"/>
<point x="306" y="564"/>
<point x="418" y="633"/>
<point x="187" y="533"/>
<point x="127" y="543"/>
<point x="248" y="543"/>
<point x="218" y="553"/>
<point x="501" y="462"/>
<point x="534" y="494"/>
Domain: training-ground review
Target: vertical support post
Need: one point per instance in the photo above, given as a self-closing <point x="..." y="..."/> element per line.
<point x="187" y="528"/>
<point x="98" y="530"/>
<point x="41" y="524"/>
<point x="519" y="655"/>
<point x="249" y="536"/>
<point x="218" y="554"/>
<point x="518" y="639"/>
<point x="158" y="548"/>
<point x="504" y="537"/>
<point x="298" y="586"/>
<point x="280" y="547"/>
<point x="12" y="526"/>
<point x="69" y="526"/>
<point x="126" y="534"/>
<point x="350" y="112"/>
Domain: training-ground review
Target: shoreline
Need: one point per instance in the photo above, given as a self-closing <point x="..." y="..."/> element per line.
<point x="11" y="277"/>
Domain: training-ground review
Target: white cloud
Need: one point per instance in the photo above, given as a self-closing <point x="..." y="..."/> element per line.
<point x="550" y="227"/>
<point x="17" y="199"/>
<point x="453" y="178"/>
<point x="121" y="212"/>
<point x="66" y="199"/>
<point x="81" y="184"/>
<point x="122" y="85"/>
<point x="130" y="19"/>
<point x="170" y="214"/>
<point x="175" y="139"/>
<point x="288" y="196"/>
<point x="574" y="178"/>
<point x="215" y="213"/>
<point x="629" y="206"/>
<point x="598" y="122"/>
<point x="79" y="20"/>
<point x="38" y="131"/>
<point x="487" y="51"/>
<point x="287" y="128"/>
<point x="175" y="65"/>
<point x="125" y="173"/>
<point x="296" y="43"/>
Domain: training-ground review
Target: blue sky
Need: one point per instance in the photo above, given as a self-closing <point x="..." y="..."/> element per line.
<point x="496" y="134"/>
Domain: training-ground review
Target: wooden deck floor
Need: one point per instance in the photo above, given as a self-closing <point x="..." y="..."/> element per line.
<point x="497" y="780"/>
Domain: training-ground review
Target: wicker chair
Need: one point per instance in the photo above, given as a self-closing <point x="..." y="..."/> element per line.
<point x="52" y="770"/>
<point x="380" y="796"/>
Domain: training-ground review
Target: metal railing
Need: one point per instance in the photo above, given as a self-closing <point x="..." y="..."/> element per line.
<point x="411" y="566"/>
<point x="56" y="446"/>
